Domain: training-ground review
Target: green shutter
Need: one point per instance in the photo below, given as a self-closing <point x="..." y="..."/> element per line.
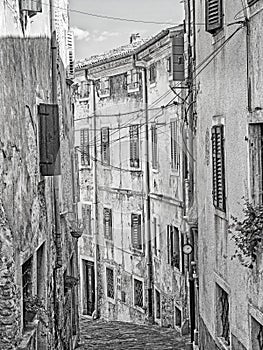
<point x="178" y="58"/>
<point x="49" y="140"/>
<point x="136" y="231"/>
<point x="107" y="217"/>
<point x="213" y="15"/>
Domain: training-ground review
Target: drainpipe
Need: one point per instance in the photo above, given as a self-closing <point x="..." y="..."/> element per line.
<point x="147" y="194"/>
<point x="95" y="195"/>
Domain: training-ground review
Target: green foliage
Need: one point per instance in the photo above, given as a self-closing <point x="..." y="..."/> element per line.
<point x="248" y="234"/>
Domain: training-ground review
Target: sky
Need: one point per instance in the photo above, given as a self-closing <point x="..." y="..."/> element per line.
<point x="96" y="35"/>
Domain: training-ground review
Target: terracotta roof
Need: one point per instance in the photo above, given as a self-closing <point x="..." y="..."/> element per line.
<point x="116" y="53"/>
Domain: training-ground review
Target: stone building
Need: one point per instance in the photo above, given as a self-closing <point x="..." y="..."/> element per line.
<point x="129" y="136"/>
<point x="38" y="248"/>
<point x="227" y="81"/>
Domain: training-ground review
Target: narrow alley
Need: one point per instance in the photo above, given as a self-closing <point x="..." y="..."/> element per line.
<point x="98" y="335"/>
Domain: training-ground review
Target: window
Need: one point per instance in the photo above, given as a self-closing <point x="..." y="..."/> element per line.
<point x="105" y="145"/>
<point x="158" y="304"/>
<point x="84" y="89"/>
<point x="174" y="146"/>
<point x="110" y="282"/>
<point x="107" y="219"/>
<point x="152" y="73"/>
<point x="86" y="218"/>
<point x="256" y="161"/>
<point x="213" y="15"/>
<point x="173" y="247"/>
<point x="256" y="334"/>
<point x="154" y="146"/>
<point x="104" y="87"/>
<point x="138" y="292"/>
<point x="32" y="6"/>
<point x="222" y="309"/>
<point x="218" y="167"/>
<point x="70" y="55"/>
<point x="178" y="317"/>
<point x="27" y="285"/>
<point x="136" y="231"/>
<point x="84" y="147"/>
<point x="49" y="140"/>
<point x="133" y="80"/>
<point x="177" y="59"/>
<point x="134" y="146"/>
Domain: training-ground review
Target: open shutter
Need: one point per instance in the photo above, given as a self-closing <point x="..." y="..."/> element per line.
<point x="256" y="161"/>
<point x="31" y="5"/>
<point x="70" y="55"/>
<point x="154" y="146"/>
<point x="107" y="223"/>
<point x="134" y="146"/>
<point x="129" y="78"/>
<point x="174" y="153"/>
<point x="214" y="15"/>
<point x="105" y="154"/>
<point x="136" y="231"/>
<point x="49" y="141"/>
<point x="86" y="218"/>
<point x="218" y="167"/>
<point x="178" y="57"/>
<point x="84" y="147"/>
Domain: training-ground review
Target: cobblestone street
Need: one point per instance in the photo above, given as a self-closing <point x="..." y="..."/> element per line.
<point x="100" y="335"/>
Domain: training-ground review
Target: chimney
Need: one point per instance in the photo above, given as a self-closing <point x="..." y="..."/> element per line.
<point x="134" y="37"/>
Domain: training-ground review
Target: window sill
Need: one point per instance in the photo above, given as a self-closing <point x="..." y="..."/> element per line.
<point x="85" y="167"/>
<point x="153" y="84"/>
<point x="222" y="343"/>
<point x="140" y="309"/>
<point x="155" y="170"/>
<point x="135" y="170"/>
<point x="111" y="300"/>
<point x="175" y="172"/>
<point x="83" y="99"/>
<point x="220" y="213"/>
<point x="133" y="90"/>
<point x="137" y="252"/>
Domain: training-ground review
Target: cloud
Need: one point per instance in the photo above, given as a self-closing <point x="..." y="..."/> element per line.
<point x="81" y="34"/>
<point x="103" y="35"/>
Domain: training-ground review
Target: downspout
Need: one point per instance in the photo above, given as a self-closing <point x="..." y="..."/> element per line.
<point x="147" y="200"/>
<point x="95" y="314"/>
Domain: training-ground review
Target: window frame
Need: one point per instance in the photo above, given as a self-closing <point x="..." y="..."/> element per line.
<point x="110" y="235"/>
<point x="154" y="140"/>
<point x="85" y="160"/>
<point x="134" y="146"/>
<point x="139" y="218"/>
<point x="225" y="339"/>
<point x="136" y="305"/>
<point x="110" y="292"/>
<point x="174" y="155"/>
<point x="152" y="73"/>
<point x="105" y="145"/>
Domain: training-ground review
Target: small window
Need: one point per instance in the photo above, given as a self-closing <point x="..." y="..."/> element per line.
<point x="110" y="282"/>
<point x="104" y="87"/>
<point x="158" y="304"/>
<point x="86" y="218"/>
<point x="107" y="217"/>
<point x="84" y="147"/>
<point x="152" y="73"/>
<point x="178" y="317"/>
<point x="174" y="253"/>
<point x="105" y="145"/>
<point x="256" y="334"/>
<point x="222" y="313"/>
<point x="154" y="146"/>
<point x="218" y="167"/>
<point x="32" y="6"/>
<point x="133" y="80"/>
<point x="174" y="146"/>
<point x="84" y="90"/>
<point x="138" y="293"/>
<point x="134" y="146"/>
<point x="214" y="15"/>
<point x="136" y="231"/>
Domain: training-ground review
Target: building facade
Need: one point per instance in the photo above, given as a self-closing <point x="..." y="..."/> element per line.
<point x="38" y="272"/>
<point x="227" y="80"/>
<point x="129" y="136"/>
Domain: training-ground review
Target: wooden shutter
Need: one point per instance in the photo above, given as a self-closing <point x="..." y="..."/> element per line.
<point x="214" y="15"/>
<point x="107" y="216"/>
<point x="84" y="147"/>
<point x="136" y="231"/>
<point x="49" y="141"/>
<point x="168" y="244"/>
<point x="256" y="161"/>
<point x="134" y="146"/>
<point x="178" y="57"/>
<point x="86" y="218"/>
<point x="154" y="146"/>
<point x="129" y="78"/>
<point x="218" y="167"/>
<point x="251" y="2"/>
<point x="174" y="153"/>
<point x="105" y="151"/>
<point x="31" y="5"/>
<point x="70" y="55"/>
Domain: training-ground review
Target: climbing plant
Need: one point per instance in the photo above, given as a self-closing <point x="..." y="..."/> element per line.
<point x="248" y="234"/>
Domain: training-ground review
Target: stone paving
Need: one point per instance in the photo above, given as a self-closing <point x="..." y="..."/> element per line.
<point x="103" y="335"/>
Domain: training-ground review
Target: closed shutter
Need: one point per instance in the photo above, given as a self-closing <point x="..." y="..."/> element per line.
<point x="214" y="15"/>
<point x="174" y="153"/>
<point x="76" y="152"/>
<point x="218" y="167"/>
<point x="107" y="223"/>
<point x="31" y="5"/>
<point x="105" y="151"/>
<point x="256" y="161"/>
<point x="251" y="2"/>
<point x="178" y="58"/>
<point x="154" y="146"/>
<point x="136" y="231"/>
<point x="49" y="140"/>
<point x="168" y="244"/>
<point x="84" y="147"/>
<point x="129" y="78"/>
<point x="134" y="146"/>
<point x="86" y="218"/>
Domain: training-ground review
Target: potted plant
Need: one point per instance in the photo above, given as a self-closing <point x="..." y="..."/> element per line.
<point x="34" y="306"/>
